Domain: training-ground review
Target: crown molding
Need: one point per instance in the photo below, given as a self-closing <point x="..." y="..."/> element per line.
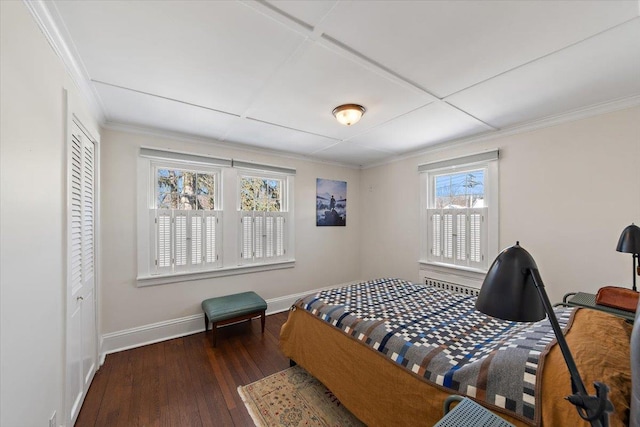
<point x="579" y="114"/>
<point x="550" y="121"/>
<point x="571" y="116"/>
<point x="50" y="28"/>
<point x="210" y="142"/>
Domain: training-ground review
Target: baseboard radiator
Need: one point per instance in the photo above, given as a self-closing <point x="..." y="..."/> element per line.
<point x="451" y="287"/>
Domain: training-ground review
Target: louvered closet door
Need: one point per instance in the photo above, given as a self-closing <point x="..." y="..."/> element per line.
<point x="81" y="331"/>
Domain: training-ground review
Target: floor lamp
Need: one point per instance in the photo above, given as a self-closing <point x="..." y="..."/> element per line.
<point x="509" y="292"/>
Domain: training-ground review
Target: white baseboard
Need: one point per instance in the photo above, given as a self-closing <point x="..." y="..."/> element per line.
<point x="149" y="334"/>
<point x="175" y="328"/>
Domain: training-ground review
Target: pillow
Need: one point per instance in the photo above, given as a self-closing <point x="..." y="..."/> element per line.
<point x="616" y="297"/>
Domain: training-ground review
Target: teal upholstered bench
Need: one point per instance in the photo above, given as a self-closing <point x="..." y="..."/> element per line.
<point x="232" y="308"/>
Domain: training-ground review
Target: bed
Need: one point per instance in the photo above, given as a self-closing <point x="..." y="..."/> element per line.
<point x="392" y="351"/>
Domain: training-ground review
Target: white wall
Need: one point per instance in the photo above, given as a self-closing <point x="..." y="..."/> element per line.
<point x="32" y="221"/>
<point x="566" y="193"/>
<point x="324" y="255"/>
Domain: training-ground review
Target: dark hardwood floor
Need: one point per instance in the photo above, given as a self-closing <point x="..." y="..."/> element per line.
<point x="185" y="381"/>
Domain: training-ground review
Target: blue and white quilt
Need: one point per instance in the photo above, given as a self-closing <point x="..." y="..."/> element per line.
<point x="442" y="338"/>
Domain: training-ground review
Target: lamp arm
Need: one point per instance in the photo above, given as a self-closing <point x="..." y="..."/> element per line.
<point x="562" y="342"/>
<point x="591" y="408"/>
<point x="635" y="270"/>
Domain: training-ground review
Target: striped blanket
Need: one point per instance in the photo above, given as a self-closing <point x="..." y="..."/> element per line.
<point x="440" y="337"/>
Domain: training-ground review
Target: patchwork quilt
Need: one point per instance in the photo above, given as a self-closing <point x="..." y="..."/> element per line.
<point x="440" y="337"/>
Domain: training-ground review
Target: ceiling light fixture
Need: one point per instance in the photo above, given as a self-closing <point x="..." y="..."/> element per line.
<point x="348" y="114"/>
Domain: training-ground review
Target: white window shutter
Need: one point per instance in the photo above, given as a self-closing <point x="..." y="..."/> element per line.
<point x="211" y="239"/>
<point x="447" y="234"/>
<point x="197" y="238"/>
<point x="280" y="221"/>
<point x="477" y="236"/>
<point x="269" y="236"/>
<point x="259" y="235"/>
<point x="434" y="234"/>
<point x="246" y="222"/>
<point x="461" y="236"/>
<point x="180" y="239"/>
<point x="457" y="236"/>
<point x="274" y="239"/>
<point x="263" y="236"/>
<point x="163" y="239"/>
<point x="185" y="240"/>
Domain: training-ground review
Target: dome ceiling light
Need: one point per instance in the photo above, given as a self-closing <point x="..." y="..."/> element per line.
<point x="348" y="114"/>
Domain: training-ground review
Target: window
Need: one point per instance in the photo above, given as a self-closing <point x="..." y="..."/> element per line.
<point x="262" y="218"/>
<point x="188" y="226"/>
<point x="459" y="213"/>
<point x="185" y="222"/>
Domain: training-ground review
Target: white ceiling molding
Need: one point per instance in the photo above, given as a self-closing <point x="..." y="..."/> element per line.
<point x="572" y="116"/>
<point x="51" y="30"/>
<point x="608" y="107"/>
<point x="208" y="143"/>
<point x="533" y="60"/>
<point x="351" y="54"/>
<point x="289" y="21"/>
<point x="166" y="98"/>
<point x="290" y="128"/>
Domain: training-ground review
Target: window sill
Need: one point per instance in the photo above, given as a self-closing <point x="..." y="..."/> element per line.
<point x="163" y="279"/>
<point x="455" y="274"/>
<point x="452" y="268"/>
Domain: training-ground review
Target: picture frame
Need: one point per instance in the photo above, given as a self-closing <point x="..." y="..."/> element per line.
<point x="331" y="203"/>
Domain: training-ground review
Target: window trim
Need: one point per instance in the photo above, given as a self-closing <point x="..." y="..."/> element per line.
<point x="163" y="279"/>
<point x="183" y="164"/>
<point x="229" y="170"/>
<point x="485" y="160"/>
<point x="183" y="157"/>
<point x="286" y="206"/>
<point x="253" y="173"/>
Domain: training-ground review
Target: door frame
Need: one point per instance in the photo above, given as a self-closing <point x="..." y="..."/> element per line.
<point x="77" y="116"/>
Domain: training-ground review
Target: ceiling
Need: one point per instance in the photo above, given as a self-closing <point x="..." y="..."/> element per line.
<point x="268" y="74"/>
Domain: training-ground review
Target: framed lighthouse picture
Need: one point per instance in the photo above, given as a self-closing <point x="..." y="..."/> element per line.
<point x="331" y="202"/>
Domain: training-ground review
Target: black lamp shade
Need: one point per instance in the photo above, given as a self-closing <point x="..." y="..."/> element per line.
<point x="508" y="291"/>
<point x="629" y="240"/>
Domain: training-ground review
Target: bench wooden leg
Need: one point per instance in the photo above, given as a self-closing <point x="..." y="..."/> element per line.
<point x="248" y="317"/>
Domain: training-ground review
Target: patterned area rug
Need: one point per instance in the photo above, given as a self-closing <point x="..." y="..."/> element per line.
<point x="294" y="398"/>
